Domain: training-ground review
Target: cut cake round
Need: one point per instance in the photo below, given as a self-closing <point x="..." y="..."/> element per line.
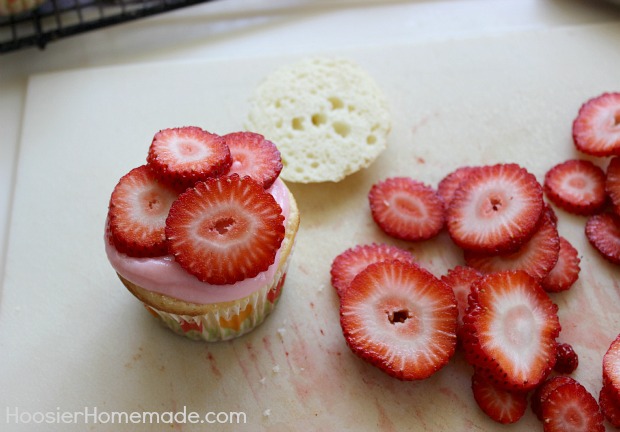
<point x="327" y="116"/>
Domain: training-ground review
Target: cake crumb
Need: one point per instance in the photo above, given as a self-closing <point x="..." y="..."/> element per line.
<point x="267" y="412"/>
<point x="281" y="331"/>
<point x="321" y="288"/>
<point x="263" y="380"/>
<point x="276" y="369"/>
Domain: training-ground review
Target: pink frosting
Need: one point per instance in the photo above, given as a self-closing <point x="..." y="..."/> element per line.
<point x="165" y="276"/>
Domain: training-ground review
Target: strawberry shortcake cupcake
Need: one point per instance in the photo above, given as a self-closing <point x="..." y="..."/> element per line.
<point x="203" y="232"/>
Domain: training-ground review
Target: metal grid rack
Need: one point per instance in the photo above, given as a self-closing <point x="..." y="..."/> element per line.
<point x="57" y="19"/>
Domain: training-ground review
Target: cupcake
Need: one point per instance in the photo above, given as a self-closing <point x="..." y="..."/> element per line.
<point x="202" y="234"/>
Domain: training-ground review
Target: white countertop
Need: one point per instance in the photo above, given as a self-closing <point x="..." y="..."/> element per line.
<point x="241" y="28"/>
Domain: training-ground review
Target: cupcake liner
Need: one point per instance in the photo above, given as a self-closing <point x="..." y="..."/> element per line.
<point x="227" y="320"/>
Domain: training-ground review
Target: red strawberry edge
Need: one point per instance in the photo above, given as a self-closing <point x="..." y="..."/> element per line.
<point x="352" y="261"/>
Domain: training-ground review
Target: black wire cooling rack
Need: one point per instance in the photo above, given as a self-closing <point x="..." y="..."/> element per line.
<point x="56" y="19"/>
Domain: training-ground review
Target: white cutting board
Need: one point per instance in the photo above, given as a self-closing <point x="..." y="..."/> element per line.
<point x="72" y="338"/>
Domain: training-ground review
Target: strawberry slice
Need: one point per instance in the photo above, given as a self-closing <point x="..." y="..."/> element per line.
<point x="577" y="186"/>
<point x="137" y="214"/>
<point x="571" y="408"/>
<point x="460" y="279"/>
<point x="596" y="129"/>
<point x="182" y="156"/>
<point x="612" y="183"/>
<point x="610" y="407"/>
<point x="406" y="209"/>
<point x="541" y="392"/>
<point x="611" y="369"/>
<point x="400" y="318"/>
<point x="500" y="405"/>
<point x="566" y="359"/>
<point x="537" y="256"/>
<point x="496" y="209"/>
<point x="565" y="272"/>
<point x="552" y="213"/>
<point x="255" y="156"/>
<point x="225" y="229"/>
<point x="603" y="232"/>
<point x="450" y="183"/>
<point x="510" y="329"/>
<point x="352" y="261"/>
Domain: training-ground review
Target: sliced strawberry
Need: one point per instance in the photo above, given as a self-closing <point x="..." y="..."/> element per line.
<point x="571" y="408"/>
<point x="610" y="407"/>
<point x="255" y="156"/>
<point x="544" y="390"/>
<point x="460" y="279"/>
<point x="496" y="209"/>
<point x="537" y="256"/>
<point x="611" y="369"/>
<point x="450" y="183"/>
<point x="596" y="129"/>
<point x="500" y="405"/>
<point x="566" y="359"/>
<point x="182" y="156"/>
<point x="400" y="318"/>
<point x="612" y="183"/>
<point x="552" y="213"/>
<point x="352" y="261"/>
<point x="577" y="186"/>
<point x="137" y="214"/>
<point x="565" y="272"/>
<point x="225" y="229"/>
<point x="603" y="232"/>
<point x="406" y="209"/>
<point x="510" y="329"/>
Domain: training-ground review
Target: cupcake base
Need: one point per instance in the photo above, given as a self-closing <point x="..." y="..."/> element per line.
<point x="226" y="320"/>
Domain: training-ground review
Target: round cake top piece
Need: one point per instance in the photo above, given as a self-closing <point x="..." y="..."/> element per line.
<point x="327" y="117"/>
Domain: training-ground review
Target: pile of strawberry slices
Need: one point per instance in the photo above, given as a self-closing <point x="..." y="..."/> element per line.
<point x="204" y="199"/>
<point x="495" y="307"/>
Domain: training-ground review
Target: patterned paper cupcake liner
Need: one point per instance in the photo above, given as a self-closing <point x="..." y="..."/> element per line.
<point x="227" y="320"/>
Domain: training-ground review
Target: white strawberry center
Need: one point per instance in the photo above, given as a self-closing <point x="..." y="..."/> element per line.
<point x="398" y="316"/>
<point x="519" y="327"/>
<point x="222" y="226"/>
<point x="189" y="150"/>
<point x="153" y="204"/>
<point x="150" y="207"/>
<point x="492" y="203"/>
<point x="605" y="128"/>
<point x="222" y="229"/>
<point x="516" y="330"/>
<point x="409" y="207"/>
<point x="580" y="187"/>
<point x="577" y="182"/>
